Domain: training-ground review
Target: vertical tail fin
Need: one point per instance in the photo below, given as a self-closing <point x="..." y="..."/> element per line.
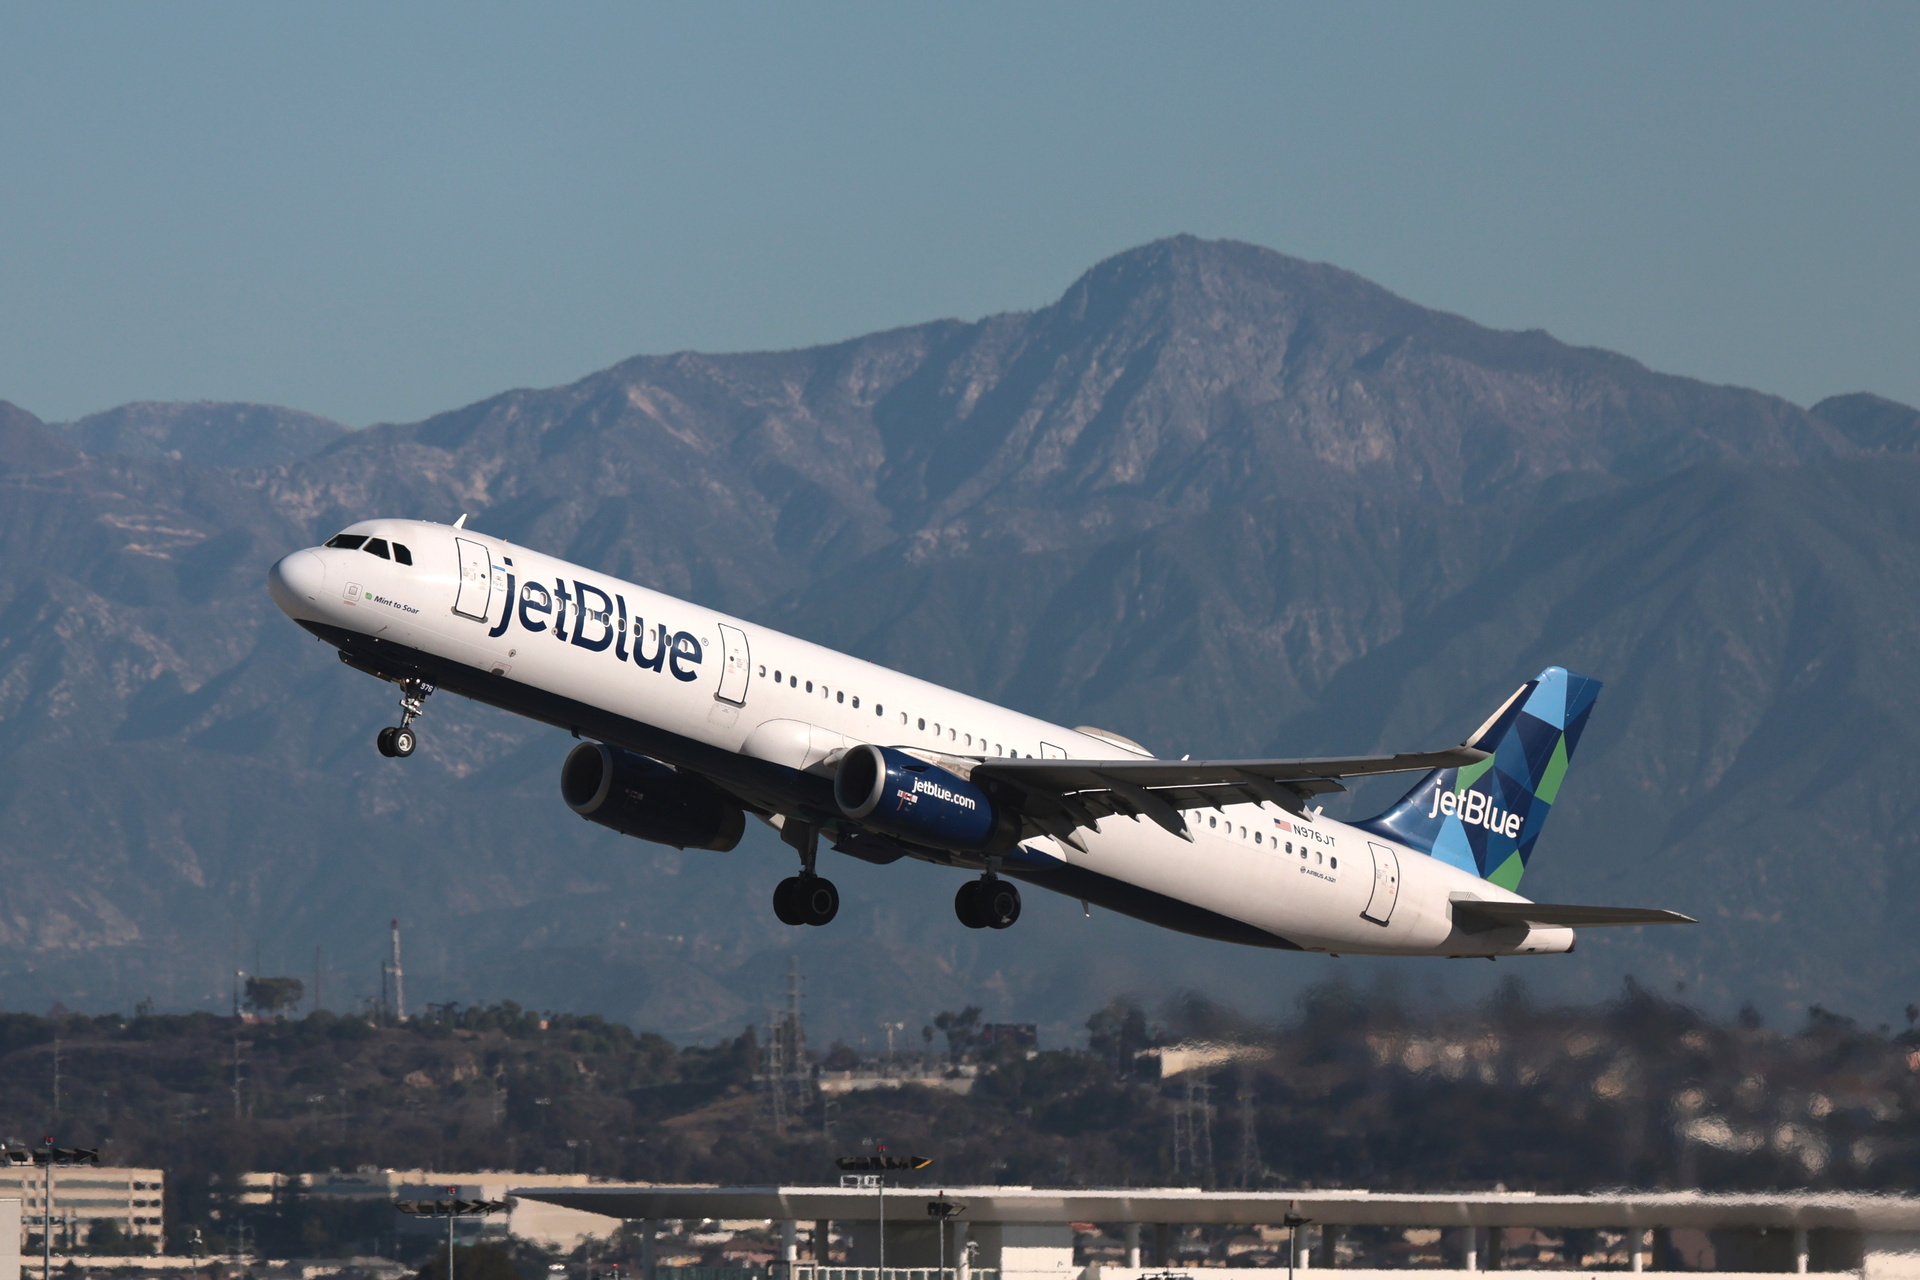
<point x="1484" y="818"/>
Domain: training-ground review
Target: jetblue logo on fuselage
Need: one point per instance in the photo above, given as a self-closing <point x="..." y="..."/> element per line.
<point x="1475" y="808"/>
<point x="598" y="622"/>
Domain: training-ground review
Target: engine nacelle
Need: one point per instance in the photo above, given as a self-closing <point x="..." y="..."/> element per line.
<point x="903" y="796"/>
<point x="640" y="797"/>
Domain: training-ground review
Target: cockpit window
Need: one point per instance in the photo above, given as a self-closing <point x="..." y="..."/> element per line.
<point x="401" y="554"/>
<point x="347" y="541"/>
<point x="376" y="547"/>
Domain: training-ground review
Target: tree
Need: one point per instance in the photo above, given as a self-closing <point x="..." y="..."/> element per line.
<point x="271" y="997"/>
<point x="960" y="1028"/>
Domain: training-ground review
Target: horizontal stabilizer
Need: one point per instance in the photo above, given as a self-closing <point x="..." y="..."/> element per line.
<point x="1476" y="916"/>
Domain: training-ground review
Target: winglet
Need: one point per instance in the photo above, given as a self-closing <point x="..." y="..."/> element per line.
<point x="461" y="523"/>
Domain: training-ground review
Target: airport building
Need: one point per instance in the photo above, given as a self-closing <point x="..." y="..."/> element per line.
<point x="85" y="1196"/>
<point x="1024" y="1233"/>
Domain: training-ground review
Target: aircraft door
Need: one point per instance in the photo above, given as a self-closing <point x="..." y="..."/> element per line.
<point x="1386" y="884"/>
<point x="476" y="580"/>
<point x="735" y="667"/>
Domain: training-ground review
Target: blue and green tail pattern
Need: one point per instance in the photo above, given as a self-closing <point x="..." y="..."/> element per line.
<point x="1485" y="817"/>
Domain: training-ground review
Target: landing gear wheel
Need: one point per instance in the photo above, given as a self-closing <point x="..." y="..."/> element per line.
<point x="786" y="901"/>
<point x="1002" y="902"/>
<point x="818" y="900"/>
<point x="969" y="907"/>
<point x="398" y="740"/>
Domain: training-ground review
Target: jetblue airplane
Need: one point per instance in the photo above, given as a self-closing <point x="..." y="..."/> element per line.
<point x="690" y="720"/>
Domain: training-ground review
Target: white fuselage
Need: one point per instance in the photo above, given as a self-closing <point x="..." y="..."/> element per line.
<point x="731" y="685"/>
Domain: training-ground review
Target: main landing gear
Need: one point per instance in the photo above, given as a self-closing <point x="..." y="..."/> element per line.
<point x="987" y="903"/>
<point x="398" y="740"/>
<point x="806" y="898"/>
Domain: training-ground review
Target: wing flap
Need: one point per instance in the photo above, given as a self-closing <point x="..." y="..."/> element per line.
<point x="1477" y="916"/>
<point x="1058" y="796"/>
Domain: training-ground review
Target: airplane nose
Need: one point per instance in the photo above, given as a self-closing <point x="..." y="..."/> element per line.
<point x="295" y="582"/>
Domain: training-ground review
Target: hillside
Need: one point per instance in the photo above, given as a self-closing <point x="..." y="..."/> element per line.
<point x="1215" y="498"/>
<point x="1368" y="1089"/>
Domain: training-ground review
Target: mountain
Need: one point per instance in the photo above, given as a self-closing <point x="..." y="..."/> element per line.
<point x="214" y="435"/>
<point x="1216" y="498"/>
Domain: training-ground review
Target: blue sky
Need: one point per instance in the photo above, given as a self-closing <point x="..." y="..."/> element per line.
<point x="376" y="212"/>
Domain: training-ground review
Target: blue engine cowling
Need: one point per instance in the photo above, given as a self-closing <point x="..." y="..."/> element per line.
<point x="905" y="797"/>
<point x="639" y="796"/>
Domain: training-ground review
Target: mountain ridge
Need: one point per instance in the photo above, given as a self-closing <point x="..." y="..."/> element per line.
<point x="1213" y="498"/>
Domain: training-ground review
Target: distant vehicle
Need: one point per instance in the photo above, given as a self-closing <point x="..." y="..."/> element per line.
<point x="694" y="720"/>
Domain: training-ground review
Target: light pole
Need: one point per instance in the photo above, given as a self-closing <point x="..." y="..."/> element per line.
<point x="1294" y="1222"/>
<point x="940" y="1210"/>
<point x="47" y="1156"/>
<point x="450" y="1209"/>
<point x="878" y="1166"/>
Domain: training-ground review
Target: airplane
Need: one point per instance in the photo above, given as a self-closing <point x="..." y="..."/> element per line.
<point x="689" y="720"/>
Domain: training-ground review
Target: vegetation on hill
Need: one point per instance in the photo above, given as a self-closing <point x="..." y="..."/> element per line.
<point x="1359" y="1089"/>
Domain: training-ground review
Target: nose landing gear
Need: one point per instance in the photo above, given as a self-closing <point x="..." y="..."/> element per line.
<point x="398" y="741"/>
<point x="987" y="903"/>
<point x="806" y="898"/>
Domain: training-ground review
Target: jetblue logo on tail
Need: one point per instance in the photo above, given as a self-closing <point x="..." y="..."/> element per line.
<point x="1474" y="809"/>
<point x="1485" y="818"/>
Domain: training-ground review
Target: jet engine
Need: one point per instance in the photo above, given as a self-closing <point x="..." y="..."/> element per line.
<point x="638" y="796"/>
<point x="905" y="797"/>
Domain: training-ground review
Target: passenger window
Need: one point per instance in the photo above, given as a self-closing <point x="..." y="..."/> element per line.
<point x="856" y="704"/>
<point x="923" y="724"/>
<point x="778" y="678"/>
<point x="1316" y="857"/>
<point x="1257" y="839"/>
<point x="953" y="735"/>
<point x="376" y="547"/>
<point x="879" y="708"/>
<point x="763" y="670"/>
<point x="347" y="541"/>
<point x="1289" y="846"/>
<point x="401" y="554"/>
<point x="1334" y="863"/>
<point x="809" y="686"/>
<point x="996" y="749"/>
<point x="841" y="696"/>
<point x="793" y="682"/>
<point x="1303" y="853"/>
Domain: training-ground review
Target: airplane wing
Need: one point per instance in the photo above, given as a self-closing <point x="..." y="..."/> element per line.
<point x="1476" y="916"/>
<point x="1059" y="796"/>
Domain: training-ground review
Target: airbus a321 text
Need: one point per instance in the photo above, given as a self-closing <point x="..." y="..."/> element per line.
<point x="691" y="720"/>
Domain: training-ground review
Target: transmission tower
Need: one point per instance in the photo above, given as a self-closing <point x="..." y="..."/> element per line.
<point x="1193" y="1130"/>
<point x="1252" y="1168"/>
<point x="784" y="1064"/>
